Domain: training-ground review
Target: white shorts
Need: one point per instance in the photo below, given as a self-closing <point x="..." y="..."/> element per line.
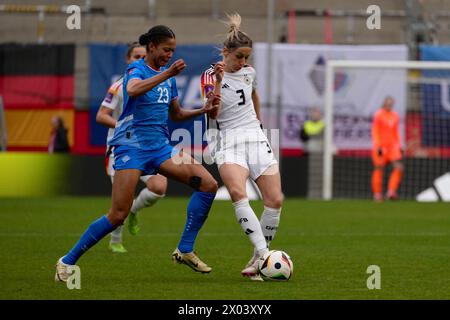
<point x="255" y="156"/>
<point x="110" y="169"/>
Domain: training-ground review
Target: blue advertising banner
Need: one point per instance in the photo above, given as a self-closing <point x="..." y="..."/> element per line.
<point x="435" y="99"/>
<point x="107" y="64"/>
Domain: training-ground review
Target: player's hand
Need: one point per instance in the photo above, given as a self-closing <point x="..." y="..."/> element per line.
<point x="380" y="151"/>
<point x="212" y="103"/>
<point x="218" y="71"/>
<point x="176" y="67"/>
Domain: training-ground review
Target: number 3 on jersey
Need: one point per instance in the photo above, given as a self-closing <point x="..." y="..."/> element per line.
<point x="242" y="96"/>
<point x="163" y="95"/>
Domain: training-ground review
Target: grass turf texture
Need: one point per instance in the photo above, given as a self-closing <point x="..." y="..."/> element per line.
<point x="330" y="243"/>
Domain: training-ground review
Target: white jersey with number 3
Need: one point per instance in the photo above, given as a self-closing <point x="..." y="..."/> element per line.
<point x="240" y="139"/>
<point x="237" y="117"/>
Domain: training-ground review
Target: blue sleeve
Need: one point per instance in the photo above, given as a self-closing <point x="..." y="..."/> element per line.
<point x="174" y="93"/>
<point x="135" y="73"/>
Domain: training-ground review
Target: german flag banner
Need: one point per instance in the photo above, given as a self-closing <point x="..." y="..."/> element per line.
<point x="36" y="84"/>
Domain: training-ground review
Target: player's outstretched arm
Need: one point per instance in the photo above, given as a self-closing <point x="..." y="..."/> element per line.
<point x="137" y="87"/>
<point x="179" y="114"/>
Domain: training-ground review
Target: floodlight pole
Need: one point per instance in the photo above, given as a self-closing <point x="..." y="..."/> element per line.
<point x="272" y="110"/>
<point x="328" y="134"/>
<point x="270" y="18"/>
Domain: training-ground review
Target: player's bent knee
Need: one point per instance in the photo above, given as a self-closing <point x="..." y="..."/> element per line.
<point x="157" y="185"/>
<point x="274" y="202"/>
<point x="159" y="189"/>
<point x="211" y="186"/>
<point x="117" y="217"/>
<point x="237" y="194"/>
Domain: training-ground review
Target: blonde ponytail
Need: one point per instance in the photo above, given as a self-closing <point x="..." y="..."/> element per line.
<point x="235" y="37"/>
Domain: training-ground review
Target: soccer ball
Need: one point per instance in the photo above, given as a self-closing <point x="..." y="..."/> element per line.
<point x="275" y="265"/>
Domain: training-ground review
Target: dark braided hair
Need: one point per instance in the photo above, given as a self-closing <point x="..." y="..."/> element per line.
<point x="156" y="35"/>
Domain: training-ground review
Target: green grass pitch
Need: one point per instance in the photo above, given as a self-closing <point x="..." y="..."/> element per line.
<point x="330" y="243"/>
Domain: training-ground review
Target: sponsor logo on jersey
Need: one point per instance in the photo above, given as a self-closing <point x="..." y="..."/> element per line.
<point x="109" y="97"/>
<point x="132" y="70"/>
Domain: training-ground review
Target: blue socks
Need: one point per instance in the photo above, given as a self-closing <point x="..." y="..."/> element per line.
<point x="94" y="233"/>
<point x="197" y="212"/>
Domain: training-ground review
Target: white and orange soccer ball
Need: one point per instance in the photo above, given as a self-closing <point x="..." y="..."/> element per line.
<point x="276" y="265"/>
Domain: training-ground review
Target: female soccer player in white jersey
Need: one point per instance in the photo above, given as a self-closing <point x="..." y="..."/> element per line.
<point x="241" y="150"/>
<point x="141" y="144"/>
<point x="107" y="115"/>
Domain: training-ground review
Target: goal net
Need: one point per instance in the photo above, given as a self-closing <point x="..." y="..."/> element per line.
<point x="421" y="95"/>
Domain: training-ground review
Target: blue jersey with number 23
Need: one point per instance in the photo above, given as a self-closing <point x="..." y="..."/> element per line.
<point x="143" y="122"/>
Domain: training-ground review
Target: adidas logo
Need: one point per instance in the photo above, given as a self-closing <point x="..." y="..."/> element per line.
<point x="243" y="220"/>
<point x="225" y="86"/>
<point x="440" y="191"/>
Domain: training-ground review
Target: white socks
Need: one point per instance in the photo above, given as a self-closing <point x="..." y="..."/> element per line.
<point x="116" y="235"/>
<point x="270" y="219"/>
<point x="146" y="198"/>
<point x="250" y="224"/>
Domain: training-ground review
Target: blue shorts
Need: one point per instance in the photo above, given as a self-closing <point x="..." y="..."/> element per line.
<point x="148" y="161"/>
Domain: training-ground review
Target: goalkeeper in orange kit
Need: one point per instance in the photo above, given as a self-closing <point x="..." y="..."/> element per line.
<point x="386" y="149"/>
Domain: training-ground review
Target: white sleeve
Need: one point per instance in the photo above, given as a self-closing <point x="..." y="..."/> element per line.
<point x="111" y="100"/>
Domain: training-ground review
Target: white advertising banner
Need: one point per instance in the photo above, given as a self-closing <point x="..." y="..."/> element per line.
<point x="298" y="84"/>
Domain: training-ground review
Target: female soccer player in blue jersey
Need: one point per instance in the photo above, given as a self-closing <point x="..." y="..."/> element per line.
<point x="141" y="147"/>
<point x="108" y="113"/>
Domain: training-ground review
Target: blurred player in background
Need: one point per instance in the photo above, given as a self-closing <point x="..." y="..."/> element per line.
<point x="108" y="113"/>
<point x="141" y="144"/>
<point x="386" y="149"/>
<point x="242" y="149"/>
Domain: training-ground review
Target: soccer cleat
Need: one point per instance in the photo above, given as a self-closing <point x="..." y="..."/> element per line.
<point x="117" y="248"/>
<point x="251" y="269"/>
<point x="62" y="273"/>
<point x="190" y="259"/>
<point x="256" y="278"/>
<point x="133" y="227"/>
